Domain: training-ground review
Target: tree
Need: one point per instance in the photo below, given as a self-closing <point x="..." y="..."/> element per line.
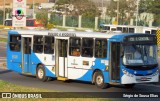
<point x="42" y="17"/>
<point x="80" y="7"/>
<point x="151" y="6"/>
<point x="144" y="6"/>
<point x="127" y="9"/>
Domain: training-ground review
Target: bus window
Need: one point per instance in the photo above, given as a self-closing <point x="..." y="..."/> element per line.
<point x="75" y="46"/>
<point x="119" y="29"/>
<point x="100" y="48"/>
<point x="49" y="45"/>
<point x="38" y="44"/>
<point x="147" y="32"/>
<point x="15" y="43"/>
<point x="87" y="47"/>
<point x="113" y="29"/>
<point x="153" y="31"/>
<point x="125" y="30"/>
<point x="131" y="30"/>
<point x="107" y="28"/>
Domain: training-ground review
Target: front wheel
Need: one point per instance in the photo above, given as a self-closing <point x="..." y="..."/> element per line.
<point x="40" y="73"/>
<point x="99" y="80"/>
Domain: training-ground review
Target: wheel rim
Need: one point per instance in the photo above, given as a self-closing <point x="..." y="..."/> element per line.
<point x="99" y="80"/>
<point x="40" y="73"/>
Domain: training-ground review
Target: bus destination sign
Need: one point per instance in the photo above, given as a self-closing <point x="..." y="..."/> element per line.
<point x="144" y="38"/>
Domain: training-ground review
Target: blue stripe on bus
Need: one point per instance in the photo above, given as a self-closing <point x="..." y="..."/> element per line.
<point x="36" y="61"/>
<point x="98" y="65"/>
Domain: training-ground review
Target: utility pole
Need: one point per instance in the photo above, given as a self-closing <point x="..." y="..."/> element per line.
<point x="117" y="10"/>
<point x="4" y="3"/>
<point x="33" y="9"/>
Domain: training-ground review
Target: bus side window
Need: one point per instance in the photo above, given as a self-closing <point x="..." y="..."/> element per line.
<point x="75" y="47"/>
<point x="38" y="44"/>
<point x="100" y="48"/>
<point x="131" y="30"/>
<point x="49" y="45"/>
<point x="15" y="43"/>
<point x="87" y="47"/>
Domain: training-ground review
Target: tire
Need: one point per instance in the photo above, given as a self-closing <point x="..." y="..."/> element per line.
<point x="41" y="74"/>
<point x="99" y="80"/>
<point x="129" y="85"/>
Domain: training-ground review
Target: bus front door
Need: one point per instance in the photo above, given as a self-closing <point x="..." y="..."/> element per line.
<point x="114" y="62"/>
<point x="61" y="57"/>
<point x="26" y="54"/>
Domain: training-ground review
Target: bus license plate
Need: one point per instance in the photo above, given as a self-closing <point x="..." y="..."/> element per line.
<point x="143" y="78"/>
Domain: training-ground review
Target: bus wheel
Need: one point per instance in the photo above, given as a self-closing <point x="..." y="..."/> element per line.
<point x="129" y="85"/>
<point x="99" y="80"/>
<point x="40" y="73"/>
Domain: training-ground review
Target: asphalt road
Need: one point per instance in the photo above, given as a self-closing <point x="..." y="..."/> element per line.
<point x="2" y="52"/>
<point x="72" y="86"/>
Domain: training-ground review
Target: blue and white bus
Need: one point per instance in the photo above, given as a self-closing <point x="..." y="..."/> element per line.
<point x="95" y="57"/>
<point x="128" y="29"/>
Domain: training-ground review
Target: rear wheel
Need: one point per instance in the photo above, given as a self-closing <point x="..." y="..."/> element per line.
<point x="40" y="73"/>
<point x="99" y="80"/>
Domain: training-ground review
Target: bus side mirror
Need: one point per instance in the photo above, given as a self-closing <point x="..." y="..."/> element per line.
<point x="121" y="52"/>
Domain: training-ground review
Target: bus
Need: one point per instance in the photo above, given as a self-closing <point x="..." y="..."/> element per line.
<point x="30" y="23"/>
<point x="127" y="29"/>
<point x="150" y="30"/>
<point x="95" y="57"/>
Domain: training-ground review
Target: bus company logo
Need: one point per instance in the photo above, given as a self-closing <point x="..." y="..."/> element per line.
<point x="6" y="95"/>
<point x="19" y="0"/>
<point x="19" y="14"/>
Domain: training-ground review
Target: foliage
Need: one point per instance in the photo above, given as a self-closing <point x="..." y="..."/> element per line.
<point x="50" y="26"/>
<point x="3" y="39"/>
<point x="144" y="6"/>
<point x="151" y="6"/>
<point x="56" y="19"/>
<point x="42" y="17"/>
<point x="78" y="7"/>
<point x="126" y="9"/>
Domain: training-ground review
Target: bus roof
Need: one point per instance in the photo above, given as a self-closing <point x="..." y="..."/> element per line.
<point x="71" y="33"/>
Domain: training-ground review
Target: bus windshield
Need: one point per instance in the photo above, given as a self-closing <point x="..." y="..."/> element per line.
<point x="135" y="55"/>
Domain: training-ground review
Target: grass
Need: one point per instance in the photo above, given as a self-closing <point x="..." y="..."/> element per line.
<point x="3" y="39"/>
<point x="8" y="87"/>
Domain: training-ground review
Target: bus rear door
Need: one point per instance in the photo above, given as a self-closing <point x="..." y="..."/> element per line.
<point x="61" y="58"/>
<point x="114" y="70"/>
<point x="26" y="54"/>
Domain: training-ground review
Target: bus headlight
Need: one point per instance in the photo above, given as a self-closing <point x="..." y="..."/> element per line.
<point x="156" y="73"/>
<point x="127" y="73"/>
